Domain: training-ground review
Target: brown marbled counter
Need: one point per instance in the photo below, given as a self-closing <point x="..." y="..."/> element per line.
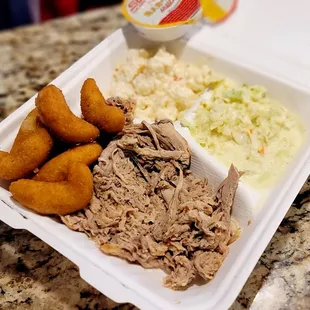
<point x="32" y="274"/>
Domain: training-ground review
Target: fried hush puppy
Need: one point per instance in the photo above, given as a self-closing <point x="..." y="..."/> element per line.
<point x="29" y="125"/>
<point x="57" y="116"/>
<point x="95" y="110"/>
<point x="56" y="169"/>
<point x="59" y="198"/>
<point x="30" y="149"/>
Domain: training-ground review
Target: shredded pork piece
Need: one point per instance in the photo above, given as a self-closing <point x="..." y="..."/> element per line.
<point x="127" y="106"/>
<point x="148" y="208"/>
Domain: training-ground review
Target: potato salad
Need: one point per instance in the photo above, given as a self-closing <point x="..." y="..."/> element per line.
<point x="161" y="85"/>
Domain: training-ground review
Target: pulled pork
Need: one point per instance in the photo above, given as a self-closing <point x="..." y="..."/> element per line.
<point x="126" y="105"/>
<point x="148" y="207"/>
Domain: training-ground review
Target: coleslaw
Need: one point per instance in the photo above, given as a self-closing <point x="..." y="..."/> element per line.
<point x="242" y="125"/>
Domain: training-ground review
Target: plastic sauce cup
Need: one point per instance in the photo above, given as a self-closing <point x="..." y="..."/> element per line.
<point x="162" y="20"/>
<point x="166" y="20"/>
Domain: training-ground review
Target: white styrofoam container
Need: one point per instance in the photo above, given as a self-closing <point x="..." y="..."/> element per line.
<point x="125" y="282"/>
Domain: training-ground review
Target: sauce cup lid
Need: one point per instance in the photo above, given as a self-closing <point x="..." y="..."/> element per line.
<point x="167" y="13"/>
<point x="161" y="13"/>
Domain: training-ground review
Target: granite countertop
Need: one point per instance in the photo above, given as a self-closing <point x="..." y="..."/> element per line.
<point x="32" y="274"/>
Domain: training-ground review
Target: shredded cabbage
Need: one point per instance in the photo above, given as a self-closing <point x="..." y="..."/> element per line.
<point x="241" y="125"/>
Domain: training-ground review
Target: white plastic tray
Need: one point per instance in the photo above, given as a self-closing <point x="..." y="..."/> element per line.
<point x="116" y="278"/>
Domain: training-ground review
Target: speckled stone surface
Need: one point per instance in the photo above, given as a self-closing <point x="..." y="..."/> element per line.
<point x="33" y="275"/>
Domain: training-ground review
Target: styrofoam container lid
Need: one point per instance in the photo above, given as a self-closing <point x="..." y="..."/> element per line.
<point x="275" y="29"/>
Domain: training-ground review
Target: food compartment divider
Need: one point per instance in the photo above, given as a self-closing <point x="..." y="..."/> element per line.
<point x="204" y="165"/>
